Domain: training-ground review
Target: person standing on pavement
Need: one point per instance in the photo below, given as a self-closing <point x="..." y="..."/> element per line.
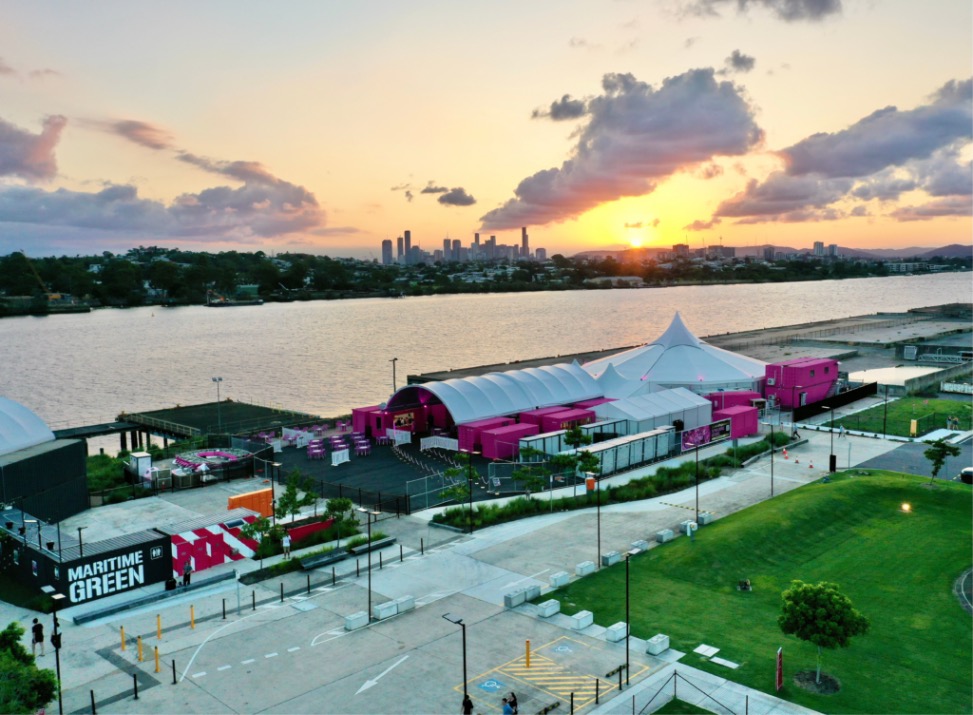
<point x="513" y="702"/>
<point x="186" y="571"/>
<point x="467" y="705"/>
<point x="286" y="542"/>
<point x="507" y="710"/>
<point x="37" y="636"/>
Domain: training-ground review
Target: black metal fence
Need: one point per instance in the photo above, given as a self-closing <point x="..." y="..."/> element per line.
<point x="388" y="505"/>
<point x="835" y="401"/>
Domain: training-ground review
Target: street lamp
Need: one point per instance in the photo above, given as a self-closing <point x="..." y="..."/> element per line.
<point x="773" y="445"/>
<point x="469" y="484"/>
<point x="368" y="515"/>
<point x="695" y="445"/>
<point x="832" y="458"/>
<point x="459" y="622"/>
<point x="591" y="475"/>
<point x="219" y="410"/>
<point x="628" y="621"/>
<point x="56" y="642"/>
<point x="885" y="416"/>
<point x="393" y="361"/>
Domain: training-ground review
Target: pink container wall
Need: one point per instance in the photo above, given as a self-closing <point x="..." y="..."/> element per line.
<point x="469" y="433"/>
<point x="587" y="404"/>
<point x="504" y="442"/>
<point x="364" y="419"/>
<point x="743" y="420"/>
<point x="535" y="417"/>
<point x="811" y="377"/>
<point x="566" y="419"/>
<point x="438" y="416"/>
<point x="733" y="398"/>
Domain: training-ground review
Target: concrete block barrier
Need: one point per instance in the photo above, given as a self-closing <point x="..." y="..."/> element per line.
<point x="381" y="611"/>
<point x="356" y="620"/>
<point x="616" y="632"/>
<point x="405" y="603"/>
<point x="664" y="536"/>
<point x="641" y="545"/>
<point x="532" y="592"/>
<point x="705" y="518"/>
<point x="514" y="598"/>
<point x="548" y="608"/>
<point x="559" y="579"/>
<point x="582" y="619"/>
<point x="657" y="644"/>
<point x="610" y="558"/>
<point x="584" y="568"/>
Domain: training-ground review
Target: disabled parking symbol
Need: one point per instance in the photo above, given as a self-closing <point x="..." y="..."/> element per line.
<point x="491" y="685"/>
<point x="563" y="649"/>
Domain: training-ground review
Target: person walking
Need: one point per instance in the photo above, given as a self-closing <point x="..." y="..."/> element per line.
<point x="467" y="705"/>
<point x="37" y="636"/>
<point x="513" y="702"/>
<point x="187" y="570"/>
<point x="507" y="710"/>
<point x="286" y="542"/>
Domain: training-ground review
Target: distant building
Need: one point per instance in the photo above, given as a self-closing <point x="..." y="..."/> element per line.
<point x="540" y="254"/>
<point x="833" y="250"/>
<point x="769" y="253"/>
<point x="681" y="249"/>
<point x="400" y="253"/>
<point x="408" y="247"/>
<point x="524" y="244"/>
<point x="819" y="248"/>
<point x="387" y="252"/>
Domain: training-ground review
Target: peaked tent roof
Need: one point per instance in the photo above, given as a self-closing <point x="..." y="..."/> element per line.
<point x="20" y="428"/>
<point x="504" y="393"/>
<point x="675" y="357"/>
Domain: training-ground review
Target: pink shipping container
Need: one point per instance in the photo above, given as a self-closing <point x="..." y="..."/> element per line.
<point x="504" y="442"/>
<point x="743" y="420"/>
<point x="469" y="433"/>
<point x="536" y="417"/>
<point x="367" y="420"/>
<point x="733" y="398"/>
<point x="801" y="381"/>
<point x="566" y="419"/>
<point x="588" y="404"/>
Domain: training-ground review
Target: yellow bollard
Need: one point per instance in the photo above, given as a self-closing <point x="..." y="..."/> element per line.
<point x="158" y="626"/>
<point x="122" y="629"/>
<point x="192" y="617"/>
<point x="528" y="652"/>
<point x="139" y="641"/>
<point x="157" y="659"/>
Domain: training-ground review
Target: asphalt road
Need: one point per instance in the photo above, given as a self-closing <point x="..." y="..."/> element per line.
<point x="909" y="458"/>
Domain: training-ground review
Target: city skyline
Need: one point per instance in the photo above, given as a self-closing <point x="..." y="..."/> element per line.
<point x="328" y="128"/>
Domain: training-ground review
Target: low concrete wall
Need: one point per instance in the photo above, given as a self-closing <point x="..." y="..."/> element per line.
<point x="916" y="384"/>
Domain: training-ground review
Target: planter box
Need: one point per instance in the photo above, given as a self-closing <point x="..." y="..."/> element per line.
<point x="374" y="545"/>
<point x="313" y="562"/>
<point x="582" y="619"/>
<point x="356" y="620"/>
<point x="657" y="644"/>
<point x="559" y="579"/>
<point x="617" y="632"/>
<point x="548" y="608"/>
<point x="584" y="568"/>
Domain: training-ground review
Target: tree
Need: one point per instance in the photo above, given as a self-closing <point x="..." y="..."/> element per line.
<point x="820" y="614"/>
<point x="339" y="508"/>
<point x="532" y="472"/>
<point x="292" y="501"/>
<point x="937" y="453"/>
<point x="24" y="688"/>
<point x="460" y="478"/>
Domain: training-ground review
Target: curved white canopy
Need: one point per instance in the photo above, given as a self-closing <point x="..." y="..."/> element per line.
<point x="677" y="358"/>
<point x="503" y="393"/>
<point x="20" y="428"/>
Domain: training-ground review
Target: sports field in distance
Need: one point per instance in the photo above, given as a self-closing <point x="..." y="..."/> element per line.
<point x="898" y="567"/>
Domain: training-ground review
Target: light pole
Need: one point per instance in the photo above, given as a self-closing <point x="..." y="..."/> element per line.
<point x="885" y="415"/>
<point x="56" y="642"/>
<point x="80" y="542"/>
<point x="368" y="516"/>
<point x="832" y="459"/>
<point x="469" y="485"/>
<point x="773" y="446"/>
<point x="219" y="409"/>
<point x="393" y="361"/>
<point x="628" y="617"/>
<point x="591" y="475"/>
<point x="459" y="622"/>
<point x="697" y="482"/>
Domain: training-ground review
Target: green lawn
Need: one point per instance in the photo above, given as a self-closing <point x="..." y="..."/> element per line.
<point x="930" y="413"/>
<point x="898" y="569"/>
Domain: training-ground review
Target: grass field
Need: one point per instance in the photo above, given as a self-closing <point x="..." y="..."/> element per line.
<point x="898" y="569"/>
<point x="930" y="413"/>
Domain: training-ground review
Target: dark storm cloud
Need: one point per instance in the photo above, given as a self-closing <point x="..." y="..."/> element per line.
<point x="786" y="10"/>
<point x="961" y="206"/>
<point x="430" y="188"/>
<point x="635" y="137"/>
<point x="563" y="108"/>
<point x="30" y="156"/>
<point x="881" y="156"/>
<point x="456" y="197"/>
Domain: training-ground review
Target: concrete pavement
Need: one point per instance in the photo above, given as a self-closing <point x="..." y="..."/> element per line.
<point x="295" y="656"/>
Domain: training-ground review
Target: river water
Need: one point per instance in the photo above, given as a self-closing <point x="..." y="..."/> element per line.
<point x="326" y="357"/>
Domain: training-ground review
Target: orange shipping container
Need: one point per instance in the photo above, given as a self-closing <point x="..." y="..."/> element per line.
<point x="259" y="501"/>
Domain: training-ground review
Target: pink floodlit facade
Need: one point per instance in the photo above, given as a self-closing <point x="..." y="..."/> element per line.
<point x="802" y="381"/>
<point x="504" y="442"/>
<point x="566" y="419"/>
<point x="735" y="398"/>
<point x="536" y="417"/>
<point x="743" y="420"/>
<point x="469" y="435"/>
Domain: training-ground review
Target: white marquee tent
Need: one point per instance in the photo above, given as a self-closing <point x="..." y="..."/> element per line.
<point x="658" y="409"/>
<point x="20" y="428"/>
<point x="676" y="359"/>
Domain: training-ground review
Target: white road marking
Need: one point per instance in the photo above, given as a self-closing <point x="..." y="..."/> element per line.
<point x="248" y="661"/>
<point x="224" y="667"/>
<point x="206" y="640"/>
<point x="291" y="650"/>
<point x="270" y="655"/>
<point x="374" y="681"/>
<point x="199" y="675"/>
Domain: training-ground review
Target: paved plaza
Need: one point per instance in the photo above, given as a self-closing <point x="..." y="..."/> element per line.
<point x="293" y="654"/>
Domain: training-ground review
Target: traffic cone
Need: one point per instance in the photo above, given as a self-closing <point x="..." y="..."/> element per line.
<point x="786" y="456"/>
<point x="810" y="465"/>
<point x="796" y="460"/>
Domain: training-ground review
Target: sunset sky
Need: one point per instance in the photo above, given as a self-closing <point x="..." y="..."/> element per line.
<point x="324" y="127"/>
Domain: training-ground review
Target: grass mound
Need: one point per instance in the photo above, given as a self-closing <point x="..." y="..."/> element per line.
<point x="897" y="567"/>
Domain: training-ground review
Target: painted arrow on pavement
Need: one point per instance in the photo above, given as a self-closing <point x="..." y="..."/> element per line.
<point x="374" y="681"/>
